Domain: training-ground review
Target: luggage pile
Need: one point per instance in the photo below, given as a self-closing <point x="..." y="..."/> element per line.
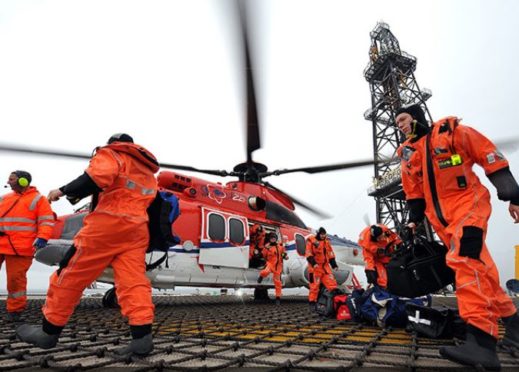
<point x="373" y="306"/>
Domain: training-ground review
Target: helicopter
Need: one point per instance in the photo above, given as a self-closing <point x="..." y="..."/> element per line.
<point x="215" y="227"/>
<point x="215" y="220"/>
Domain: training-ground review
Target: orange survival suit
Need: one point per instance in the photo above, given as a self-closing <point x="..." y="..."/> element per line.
<point x="257" y="241"/>
<point x="377" y="252"/>
<point x="23" y="218"/>
<point x="274" y="253"/>
<point x="458" y="207"/>
<point x="320" y="255"/>
<point x="114" y="234"/>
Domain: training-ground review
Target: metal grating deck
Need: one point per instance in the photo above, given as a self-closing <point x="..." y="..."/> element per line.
<point x="216" y="332"/>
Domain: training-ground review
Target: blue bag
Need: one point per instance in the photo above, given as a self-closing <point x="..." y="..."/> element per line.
<point x="384" y="309"/>
<point x="162" y="213"/>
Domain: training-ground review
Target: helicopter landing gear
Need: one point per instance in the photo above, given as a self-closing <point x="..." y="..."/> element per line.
<point x="261" y="295"/>
<point x="110" y="299"/>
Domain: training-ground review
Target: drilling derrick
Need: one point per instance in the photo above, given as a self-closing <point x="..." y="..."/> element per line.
<point x="390" y="73"/>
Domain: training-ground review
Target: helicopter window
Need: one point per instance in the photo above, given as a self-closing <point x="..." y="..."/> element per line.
<point x="300" y="244"/>
<point x="277" y="212"/>
<point x="216" y="227"/>
<point x="236" y="233"/>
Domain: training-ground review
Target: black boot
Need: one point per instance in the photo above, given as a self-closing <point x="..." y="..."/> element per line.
<point x="141" y="343"/>
<point x="278" y="301"/>
<point x="260" y="279"/>
<point x="45" y="336"/>
<point x="478" y="350"/>
<point x="511" y="337"/>
<point x="311" y="306"/>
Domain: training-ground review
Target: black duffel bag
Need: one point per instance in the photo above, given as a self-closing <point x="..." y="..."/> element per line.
<point x="435" y="322"/>
<point x="419" y="269"/>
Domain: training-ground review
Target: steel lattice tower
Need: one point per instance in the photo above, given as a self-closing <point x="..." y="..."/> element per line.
<point x="392" y="83"/>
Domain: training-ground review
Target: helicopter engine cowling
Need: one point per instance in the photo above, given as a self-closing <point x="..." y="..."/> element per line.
<point x="298" y="274"/>
<point x="256" y="203"/>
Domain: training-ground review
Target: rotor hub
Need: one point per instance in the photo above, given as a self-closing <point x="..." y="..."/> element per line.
<point x="250" y="171"/>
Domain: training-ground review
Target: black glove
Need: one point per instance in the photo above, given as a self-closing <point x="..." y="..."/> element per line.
<point x="371" y="276"/>
<point x="311" y="261"/>
<point x="333" y="263"/>
<point x="390" y="249"/>
<point x="407" y="235"/>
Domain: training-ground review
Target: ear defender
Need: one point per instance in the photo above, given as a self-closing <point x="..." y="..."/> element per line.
<point x="24" y="178"/>
<point x="22" y="181"/>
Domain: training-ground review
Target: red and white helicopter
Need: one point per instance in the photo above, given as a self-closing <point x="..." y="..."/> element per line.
<point x="215" y="220"/>
<point x="214" y="227"/>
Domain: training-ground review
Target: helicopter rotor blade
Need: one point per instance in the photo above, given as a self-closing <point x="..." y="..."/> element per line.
<point x="365" y="218"/>
<point x="322" y="168"/>
<point x="252" y="128"/>
<point x="508" y="145"/>
<point x="216" y="172"/>
<point x="298" y="202"/>
<point x="36" y="151"/>
<point x="74" y="155"/>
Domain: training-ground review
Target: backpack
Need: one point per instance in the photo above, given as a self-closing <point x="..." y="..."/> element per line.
<point x="162" y="213"/>
<point x="340" y="307"/>
<point x="343" y="312"/>
<point x="324" y="305"/>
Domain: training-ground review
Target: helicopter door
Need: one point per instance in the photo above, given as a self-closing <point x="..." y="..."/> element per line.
<point x="223" y="240"/>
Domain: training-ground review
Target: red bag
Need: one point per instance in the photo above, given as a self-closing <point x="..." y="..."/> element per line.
<point x="343" y="313"/>
<point x="340" y="307"/>
<point x="339" y="300"/>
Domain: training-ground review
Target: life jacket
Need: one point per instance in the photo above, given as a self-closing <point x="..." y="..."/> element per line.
<point x="125" y="174"/>
<point x="128" y="183"/>
<point x="23" y="217"/>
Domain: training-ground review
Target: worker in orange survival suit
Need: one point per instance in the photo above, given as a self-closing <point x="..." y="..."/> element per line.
<point x="378" y="244"/>
<point x="274" y="253"/>
<point x="26" y="223"/>
<point x="257" y="241"/>
<point x="439" y="182"/>
<point x="321" y="260"/>
<point x="115" y="233"/>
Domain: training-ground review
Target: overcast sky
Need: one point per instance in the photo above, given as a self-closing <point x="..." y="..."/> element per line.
<point x="74" y="72"/>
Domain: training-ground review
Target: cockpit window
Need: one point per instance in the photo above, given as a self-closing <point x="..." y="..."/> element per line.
<point x="279" y="213"/>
